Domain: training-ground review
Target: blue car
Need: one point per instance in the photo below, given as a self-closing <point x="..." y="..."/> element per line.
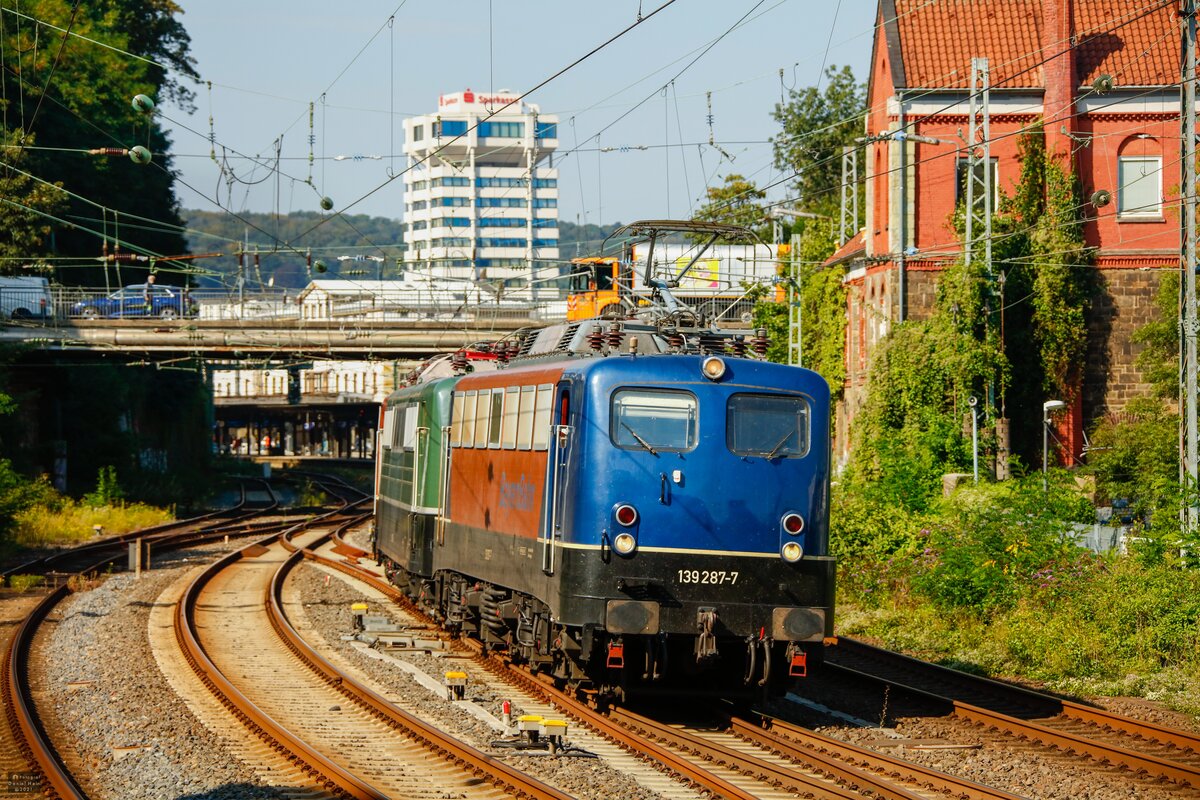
<point x="139" y="300"/>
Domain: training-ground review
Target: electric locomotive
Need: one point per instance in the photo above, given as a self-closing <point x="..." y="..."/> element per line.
<point x="617" y="504"/>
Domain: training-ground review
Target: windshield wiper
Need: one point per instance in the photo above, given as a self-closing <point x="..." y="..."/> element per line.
<point x="779" y="444"/>
<point x="642" y="441"/>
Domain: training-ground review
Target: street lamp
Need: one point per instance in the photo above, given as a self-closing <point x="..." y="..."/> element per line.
<point x="1047" y="407"/>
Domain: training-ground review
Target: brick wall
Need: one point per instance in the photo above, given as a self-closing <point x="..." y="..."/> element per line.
<point x="1123" y="302"/>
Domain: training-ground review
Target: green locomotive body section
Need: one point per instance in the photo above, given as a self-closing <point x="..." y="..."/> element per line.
<point x="412" y="471"/>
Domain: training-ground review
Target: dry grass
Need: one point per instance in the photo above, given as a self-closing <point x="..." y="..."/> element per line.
<point x="75" y="522"/>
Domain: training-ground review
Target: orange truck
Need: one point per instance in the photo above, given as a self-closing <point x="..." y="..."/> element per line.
<point x="596" y="288"/>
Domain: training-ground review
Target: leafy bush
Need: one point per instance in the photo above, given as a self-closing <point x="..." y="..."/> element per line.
<point x="74" y="521"/>
<point x="311" y="495"/>
<point x="973" y="551"/>
<point x="108" y="490"/>
<point x="24" y="582"/>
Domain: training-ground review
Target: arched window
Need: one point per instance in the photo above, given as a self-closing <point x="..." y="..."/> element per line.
<point x="1139" y="178"/>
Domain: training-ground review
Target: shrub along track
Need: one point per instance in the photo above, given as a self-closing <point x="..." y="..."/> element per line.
<point x="741" y="762"/>
<point x="232" y="624"/>
<point x="23" y="727"/>
<point x="1098" y="738"/>
<point x="239" y="520"/>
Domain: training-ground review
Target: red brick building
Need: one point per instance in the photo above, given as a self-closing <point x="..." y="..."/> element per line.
<point x="1045" y="59"/>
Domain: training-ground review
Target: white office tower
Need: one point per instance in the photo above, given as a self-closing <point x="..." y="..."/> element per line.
<point x="481" y="193"/>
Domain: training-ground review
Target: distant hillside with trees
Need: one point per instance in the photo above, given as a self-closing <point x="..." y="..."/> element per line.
<point x="284" y="241"/>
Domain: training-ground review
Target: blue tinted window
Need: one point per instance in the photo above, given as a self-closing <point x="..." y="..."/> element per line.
<point x="545" y="242"/>
<point x="451" y="127"/>
<point x="547" y="130"/>
<point x="506" y="130"/>
<point x="450" y="201"/>
<point x="500" y="202"/>
<point x="491" y="242"/>
<point x="545" y="223"/>
<point x="545" y="202"/>
<point x="501" y="222"/>
<point x="545" y="183"/>
<point x="452" y="181"/>
<point x="454" y="222"/>
<point x="505" y="183"/>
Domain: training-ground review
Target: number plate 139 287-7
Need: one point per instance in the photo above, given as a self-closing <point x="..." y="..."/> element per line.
<point x="714" y="577"/>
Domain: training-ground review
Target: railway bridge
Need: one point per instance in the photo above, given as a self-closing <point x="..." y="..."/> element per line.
<point x="278" y="387"/>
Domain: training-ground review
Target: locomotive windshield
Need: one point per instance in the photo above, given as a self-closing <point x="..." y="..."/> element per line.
<point x="772" y="426"/>
<point x="645" y="419"/>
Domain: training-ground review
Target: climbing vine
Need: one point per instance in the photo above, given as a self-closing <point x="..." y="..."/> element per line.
<point x="1005" y="335"/>
<point x="1059" y="262"/>
<point x="822" y="307"/>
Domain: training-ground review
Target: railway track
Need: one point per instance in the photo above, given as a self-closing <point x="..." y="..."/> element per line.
<point x="742" y="760"/>
<point x="24" y="732"/>
<point x="1137" y="747"/>
<point x="233" y="623"/>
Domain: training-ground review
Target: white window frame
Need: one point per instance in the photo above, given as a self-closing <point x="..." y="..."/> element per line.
<point x="496" y="419"/>
<point x="508" y="432"/>
<point x="410" y="427"/>
<point x="525" y="418"/>
<point x="543" y="413"/>
<point x="483" y="410"/>
<point x="468" y="429"/>
<point x="1141" y="212"/>
<point x="456" y="420"/>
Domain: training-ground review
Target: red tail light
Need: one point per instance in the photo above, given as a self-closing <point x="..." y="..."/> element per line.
<point x="793" y="523"/>
<point x="626" y="515"/>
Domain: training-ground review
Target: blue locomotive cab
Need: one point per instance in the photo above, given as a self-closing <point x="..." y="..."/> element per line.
<point x="700" y="510"/>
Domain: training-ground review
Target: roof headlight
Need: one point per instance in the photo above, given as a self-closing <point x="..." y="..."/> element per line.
<point x="713" y="368"/>
<point x="624" y="543"/>
<point x="792" y="552"/>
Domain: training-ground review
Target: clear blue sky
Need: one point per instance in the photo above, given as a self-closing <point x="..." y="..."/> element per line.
<point x="267" y="59"/>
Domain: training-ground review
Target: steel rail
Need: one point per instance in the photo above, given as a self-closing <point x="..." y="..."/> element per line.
<point x="312" y="762"/>
<point x="800" y="743"/>
<point x="1104" y="753"/>
<point x="1116" y="755"/>
<point x="1183" y="740"/>
<point x="668" y="758"/>
<point x="27" y="728"/>
<point x="475" y="761"/>
<point x="851" y="781"/>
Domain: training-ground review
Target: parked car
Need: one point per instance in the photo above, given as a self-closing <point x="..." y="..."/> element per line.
<point x="25" y="298"/>
<point x="138" y="300"/>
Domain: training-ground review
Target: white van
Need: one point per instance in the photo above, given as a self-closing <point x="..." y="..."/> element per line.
<point x="25" y="298"/>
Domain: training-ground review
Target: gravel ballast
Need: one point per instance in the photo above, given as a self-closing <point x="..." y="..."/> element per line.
<point x="99" y="690"/>
<point x="327" y="601"/>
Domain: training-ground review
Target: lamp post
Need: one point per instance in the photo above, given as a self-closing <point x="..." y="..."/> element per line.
<point x="1047" y="407"/>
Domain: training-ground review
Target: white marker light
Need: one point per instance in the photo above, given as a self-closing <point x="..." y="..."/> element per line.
<point x="713" y="368"/>
<point x="624" y="543"/>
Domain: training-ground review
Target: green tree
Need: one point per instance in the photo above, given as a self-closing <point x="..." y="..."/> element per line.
<point x="816" y="124"/>
<point x="27" y="205"/>
<point x="74" y="95"/>
<point x="737" y="201"/>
